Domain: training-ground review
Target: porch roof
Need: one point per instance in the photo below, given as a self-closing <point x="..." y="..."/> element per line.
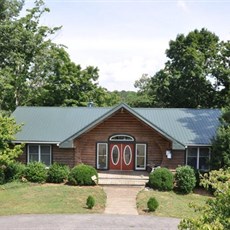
<point x="62" y="124"/>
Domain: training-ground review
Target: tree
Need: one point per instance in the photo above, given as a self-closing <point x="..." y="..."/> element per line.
<point x="215" y="215"/>
<point x="67" y="84"/>
<point x="196" y="74"/>
<point x="35" y="71"/>
<point x="220" y="157"/>
<point x="23" y="48"/>
<point x="143" y="97"/>
<point x="8" y="128"/>
<point x="10" y="9"/>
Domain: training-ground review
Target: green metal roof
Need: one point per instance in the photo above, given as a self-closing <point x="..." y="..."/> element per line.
<point x="53" y="124"/>
<point x="62" y="124"/>
<point x="188" y="126"/>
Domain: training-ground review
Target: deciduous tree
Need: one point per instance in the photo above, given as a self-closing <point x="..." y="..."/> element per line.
<point x="215" y="214"/>
<point x="197" y="73"/>
<point x="220" y="157"/>
<point x="8" y="129"/>
<point x="36" y="71"/>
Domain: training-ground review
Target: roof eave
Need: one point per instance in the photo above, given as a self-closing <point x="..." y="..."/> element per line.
<point x="175" y="143"/>
<point x="34" y="142"/>
<point x="91" y="125"/>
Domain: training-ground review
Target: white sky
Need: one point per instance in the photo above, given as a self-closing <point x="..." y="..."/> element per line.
<point x="127" y="38"/>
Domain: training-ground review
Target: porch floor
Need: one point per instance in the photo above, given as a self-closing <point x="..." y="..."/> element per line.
<point x="126" y="178"/>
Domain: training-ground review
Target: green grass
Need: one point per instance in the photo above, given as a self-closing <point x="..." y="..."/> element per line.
<point x="27" y="198"/>
<point x="170" y="203"/>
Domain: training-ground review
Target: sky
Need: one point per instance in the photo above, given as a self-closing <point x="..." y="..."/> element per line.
<point x="128" y="38"/>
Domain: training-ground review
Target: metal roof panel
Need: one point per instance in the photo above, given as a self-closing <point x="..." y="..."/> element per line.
<point x="58" y="124"/>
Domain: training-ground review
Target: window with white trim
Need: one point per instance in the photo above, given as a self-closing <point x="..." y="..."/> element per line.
<point x="198" y="157"/>
<point x="121" y="137"/>
<point x="140" y="162"/>
<point x="102" y="155"/>
<point x="40" y="153"/>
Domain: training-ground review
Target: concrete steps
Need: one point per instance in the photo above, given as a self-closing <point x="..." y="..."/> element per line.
<point x="123" y="178"/>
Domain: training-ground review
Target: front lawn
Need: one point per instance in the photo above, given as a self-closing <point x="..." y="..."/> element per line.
<point x="170" y="203"/>
<point x="28" y="198"/>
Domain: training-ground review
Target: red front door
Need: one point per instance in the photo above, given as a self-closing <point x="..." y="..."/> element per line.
<point x="121" y="156"/>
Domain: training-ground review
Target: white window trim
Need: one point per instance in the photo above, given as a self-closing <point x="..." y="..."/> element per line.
<point x="106" y="149"/>
<point x="39" y="152"/>
<point x="197" y="154"/>
<point x="130" y="138"/>
<point x="145" y="160"/>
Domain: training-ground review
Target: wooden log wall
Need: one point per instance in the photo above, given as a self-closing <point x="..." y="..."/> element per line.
<point x="122" y="122"/>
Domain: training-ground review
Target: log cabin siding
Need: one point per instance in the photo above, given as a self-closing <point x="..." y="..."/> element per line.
<point x="178" y="158"/>
<point x="122" y="122"/>
<point x="63" y="156"/>
<point x="23" y="157"/>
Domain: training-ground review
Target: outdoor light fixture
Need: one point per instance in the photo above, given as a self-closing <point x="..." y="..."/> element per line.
<point x="169" y="154"/>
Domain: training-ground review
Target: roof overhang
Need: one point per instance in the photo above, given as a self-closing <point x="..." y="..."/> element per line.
<point x="69" y="141"/>
<point x="198" y="145"/>
<point x="35" y="142"/>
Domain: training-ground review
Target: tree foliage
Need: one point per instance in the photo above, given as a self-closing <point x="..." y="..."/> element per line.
<point x="197" y="73"/>
<point x="141" y="98"/>
<point x="215" y="215"/>
<point x="8" y="129"/>
<point x="220" y="157"/>
<point x="36" y="71"/>
<point x="10" y="9"/>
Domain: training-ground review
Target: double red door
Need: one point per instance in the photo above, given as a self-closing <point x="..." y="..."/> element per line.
<point x="121" y="156"/>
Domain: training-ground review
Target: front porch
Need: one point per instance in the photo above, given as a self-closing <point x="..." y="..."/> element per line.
<point x="124" y="178"/>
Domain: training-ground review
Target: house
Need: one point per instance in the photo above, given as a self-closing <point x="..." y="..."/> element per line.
<point x="118" y="138"/>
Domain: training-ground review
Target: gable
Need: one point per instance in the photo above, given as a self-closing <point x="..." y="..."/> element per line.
<point x="69" y="141"/>
<point x="61" y="125"/>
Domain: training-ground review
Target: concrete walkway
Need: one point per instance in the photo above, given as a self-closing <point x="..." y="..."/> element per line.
<point x="121" y="199"/>
<point x="120" y="214"/>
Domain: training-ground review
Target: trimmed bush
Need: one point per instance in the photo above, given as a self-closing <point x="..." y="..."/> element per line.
<point x="90" y="202"/>
<point x="161" y="179"/>
<point x="82" y="175"/>
<point x="185" y="179"/>
<point x="36" y="172"/>
<point x="152" y="204"/>
<point x="2" y="175"/>
<point x="14" y="171"/>
<point x="58" y="173"/>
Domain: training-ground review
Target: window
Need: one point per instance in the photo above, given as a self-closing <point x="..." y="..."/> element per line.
<point x="122" y="137"/>
<point x="140" y="157"/>
<point x="127" y="155"/>
<point x="115" y="155"/>
<point x="102" y="156"/>
<point x="41" y="153"/>
<point x="192" y="157"/>
<point x="204" y="159"/>
<point x="198" y="158"/>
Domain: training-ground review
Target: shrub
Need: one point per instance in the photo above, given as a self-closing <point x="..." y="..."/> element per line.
<point x="185" y="179"/>
<point x="14" y="171"/>
<point x="58" y="173"/>
<point x="90" y="202"/>
<point x="2" y="175"/>
<point x="82" y="175"/>
<point x="161" y="179"/>
<point x="36" y="172"/>
<point x="152" y="204"/>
